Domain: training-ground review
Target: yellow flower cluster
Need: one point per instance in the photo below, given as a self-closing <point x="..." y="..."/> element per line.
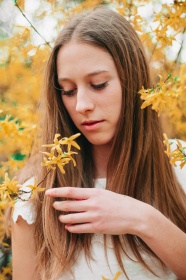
<point x="10" y="190"/>
<point x="6" y="273"/>
<point x="177" y="155"/>
<point x="16" y="138"/>
<point x="58" y="157"/>
<point x="163" y="95"/>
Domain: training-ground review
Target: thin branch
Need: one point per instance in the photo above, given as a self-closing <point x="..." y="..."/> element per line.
<point x="180" y="50"/>
<point x="44" y="178"/>
<point x="153" y="51"/>
<point x="46" y="42"/>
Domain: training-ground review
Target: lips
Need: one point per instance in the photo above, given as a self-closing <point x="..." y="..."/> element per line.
<point x="89" y="123"/>
<point x="92" y="125"/>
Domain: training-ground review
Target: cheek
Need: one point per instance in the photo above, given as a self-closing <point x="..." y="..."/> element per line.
<point x="69" y="105"/>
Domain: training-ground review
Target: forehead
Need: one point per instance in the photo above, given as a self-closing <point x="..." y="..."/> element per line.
<point x="83" y="58"/>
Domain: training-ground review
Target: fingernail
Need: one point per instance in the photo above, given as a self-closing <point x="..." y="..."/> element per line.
<point x="49" y="192"/>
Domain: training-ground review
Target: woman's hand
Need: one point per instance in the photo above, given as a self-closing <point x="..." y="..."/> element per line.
<point x="106" y="212"/>
<point x="98" y="211"/>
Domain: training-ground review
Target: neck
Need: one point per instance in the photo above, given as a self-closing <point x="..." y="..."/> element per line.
<point x="100" y="158"/>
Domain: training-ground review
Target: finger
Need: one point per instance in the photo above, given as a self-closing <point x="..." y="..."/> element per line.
<point x="70" y="206"/>
<point x="80" y="228"/>
<point x="70" y="192"/>
<point x="75" y="218"/>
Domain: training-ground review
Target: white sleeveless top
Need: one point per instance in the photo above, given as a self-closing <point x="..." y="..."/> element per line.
<point x="98" y="268"/>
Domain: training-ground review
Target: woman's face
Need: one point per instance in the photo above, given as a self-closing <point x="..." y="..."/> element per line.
<point x="91" y="90"/>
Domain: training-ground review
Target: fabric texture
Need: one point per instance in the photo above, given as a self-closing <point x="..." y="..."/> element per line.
<point x="25" y="209"/>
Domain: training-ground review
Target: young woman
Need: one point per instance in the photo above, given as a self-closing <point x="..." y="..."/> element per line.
<point x="122" y="208"/>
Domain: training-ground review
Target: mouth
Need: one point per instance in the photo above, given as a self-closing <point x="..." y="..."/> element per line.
<point x="92" y="125"/>
<point x="89" y="123"/>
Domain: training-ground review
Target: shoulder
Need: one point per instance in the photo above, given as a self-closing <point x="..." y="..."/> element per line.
<point x="180" y="172"/>
<point x="25" y="209"/>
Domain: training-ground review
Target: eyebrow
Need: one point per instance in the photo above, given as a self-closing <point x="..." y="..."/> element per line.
<point x="88" y="75"/>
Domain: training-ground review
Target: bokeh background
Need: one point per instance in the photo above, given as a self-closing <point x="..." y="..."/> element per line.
<point x="28" y="29"/>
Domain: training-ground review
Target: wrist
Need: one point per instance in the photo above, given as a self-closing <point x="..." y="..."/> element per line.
<point x="146" y="218"/>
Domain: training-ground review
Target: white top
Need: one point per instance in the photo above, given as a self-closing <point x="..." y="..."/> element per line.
<point x="98" y="267"/>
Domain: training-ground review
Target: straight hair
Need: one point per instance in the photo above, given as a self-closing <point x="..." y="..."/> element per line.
<point x="137" y="166"/>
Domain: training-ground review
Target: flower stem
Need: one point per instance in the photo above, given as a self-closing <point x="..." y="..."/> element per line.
<point x="44" y="178"/>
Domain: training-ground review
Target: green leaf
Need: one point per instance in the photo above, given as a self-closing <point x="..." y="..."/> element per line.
<point x="169" y="76"/>
<point x="176" y="78"/>
<point x="18" y="156"/>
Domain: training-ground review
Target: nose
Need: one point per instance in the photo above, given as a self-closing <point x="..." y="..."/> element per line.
<point x="84" y="101"/>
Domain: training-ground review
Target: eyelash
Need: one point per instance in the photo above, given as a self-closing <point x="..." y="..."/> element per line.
<point x="100" y="86"/>
<point x="96" y="87"/>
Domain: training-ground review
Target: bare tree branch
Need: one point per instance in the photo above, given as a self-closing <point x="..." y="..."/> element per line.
<point x="46" y="42"/>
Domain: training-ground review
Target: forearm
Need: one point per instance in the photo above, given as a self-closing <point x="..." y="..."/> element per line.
<point x="166" y="240"/>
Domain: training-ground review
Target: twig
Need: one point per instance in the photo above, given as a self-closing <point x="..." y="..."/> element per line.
<point x="44" y="178"/>
<point x="180" y="50"/>
<point x="153" y="51"/>
<point x="46" y="42"/>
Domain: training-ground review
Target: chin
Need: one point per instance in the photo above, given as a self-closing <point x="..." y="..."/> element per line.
<point x="100" y="141"/>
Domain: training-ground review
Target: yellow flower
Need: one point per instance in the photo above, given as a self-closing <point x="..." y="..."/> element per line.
<point x="9" y="188"/>
<point x="57" y="144"/>
<point x="166" y="143"/>
<point x="56" y="157"/>
<point x="116" y="277"/>
<point x="177" y="155"/>
<point x="9" y="125"/>
<point x="7" y="270"/>
<point x="70" y="141"/>
<point x="3" y="206"/>
<point x="33" y="191"/>
<point x="164" y="95"/>
<point x="60" y="160"/>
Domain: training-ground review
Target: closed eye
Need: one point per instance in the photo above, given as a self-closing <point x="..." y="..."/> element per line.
<point x="68" y="92"/>
<point x="73" y="91"/>
<point x="99" y="86"/>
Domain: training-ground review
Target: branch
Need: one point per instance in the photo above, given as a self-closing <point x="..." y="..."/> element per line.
<point x="153" y="51"/>
<point x="44" y="178"/>
<point x="180" y="50"/>
<point x="46" y="42"/>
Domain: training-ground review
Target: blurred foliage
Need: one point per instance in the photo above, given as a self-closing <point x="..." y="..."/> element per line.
<point x="25" y="44"/>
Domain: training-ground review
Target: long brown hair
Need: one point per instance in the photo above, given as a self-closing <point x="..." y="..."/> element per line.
<point x="138" y="166"/>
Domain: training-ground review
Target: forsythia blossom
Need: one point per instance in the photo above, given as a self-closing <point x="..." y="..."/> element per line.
<point x="164" y="94"/>
<point x="116" y="277"/>
<point x="10" y="190"/>
<point x="58" y="157"/>
<point x="178" y="154"/>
